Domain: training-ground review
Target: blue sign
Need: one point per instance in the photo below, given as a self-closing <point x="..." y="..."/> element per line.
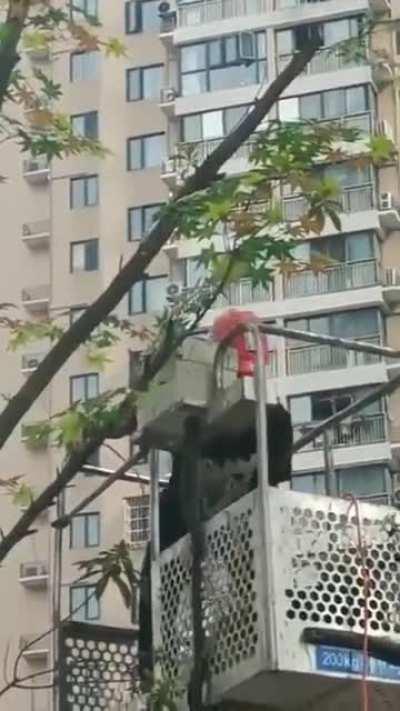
<point x="350" y="661"/>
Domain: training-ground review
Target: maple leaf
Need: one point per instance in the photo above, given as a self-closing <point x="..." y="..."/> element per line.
<point x="115" y="48"/>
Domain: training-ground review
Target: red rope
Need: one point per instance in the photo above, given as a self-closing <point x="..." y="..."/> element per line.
<point x="366" y="590"/>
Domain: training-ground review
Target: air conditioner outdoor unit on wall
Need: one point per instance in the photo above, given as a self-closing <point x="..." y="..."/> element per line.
<point x="173" y="290"/>
<point x="32" y="570"/>
<point x="386" y="201"/>
<point x="168" y="95"/>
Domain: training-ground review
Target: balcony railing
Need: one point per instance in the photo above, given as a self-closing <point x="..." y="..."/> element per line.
<point x="366" y="429"/>
<point x="205" y="11"/>
<point x="326" y="60"/>
<point x="354" y="199"/>
<point x="339" y="277"/>
<point x="311" y="359"/>
<point x="362" y="121"/>
<point x="243" y="292"/>
<point x="191" y="154"/>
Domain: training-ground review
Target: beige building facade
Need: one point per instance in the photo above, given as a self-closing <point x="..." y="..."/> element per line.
<point x="68" y="226"/>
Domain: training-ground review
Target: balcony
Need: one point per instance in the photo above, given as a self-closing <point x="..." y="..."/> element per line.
<point x="311" y="359"/>
<point x="36" y="234"/>
<point x="34" y="575"/>
<point x="352" y="199"/>
<point x="326" y="60"/>
<point x="206" y="11"/>
<point x="32" y="650"/>
<point x="243" y="292"/>
<point x="176" y="168"/>
<point x="357" y="430"/>
<point x="339" y="277"/>
<point x="391" y="285"/>
<point x="36" y="170"/>
<point x="36" y="299"/>
<point x="30" y="361"/>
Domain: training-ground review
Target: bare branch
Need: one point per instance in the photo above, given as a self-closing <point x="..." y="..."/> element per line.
<point x="17" y="14"/>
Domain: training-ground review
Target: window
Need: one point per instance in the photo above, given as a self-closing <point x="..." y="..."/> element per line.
<point x="318" y="406"/>
<point x="328" y="105"/>
<point x="148" y="296"/>
<point x="190" y="272"/>
<point x="142" y="16"/>
<point x="146" y="151"/>
<point x="85" y="125"/>
<point x="144" y="83"/>
<point x="217" y="64"/>
<point x="84" y="8"/>
<point x="141" y="220"/>
<point x="368" y="482"/>
<point x="348" y="324"/>
<point x="351" y="247"/>
<point x="137" y="519"/>
<point x="84" y="256"/>
<point x="84" y="192"/>
<point x="294" y="39"/>
<point x="84" y="66"/>
<point x="136" y="366"/>
<point x="211" y="124"/>
<point x="84" y="605"/>
<point x="84" y="531"/>
<point x="84" y="387"/>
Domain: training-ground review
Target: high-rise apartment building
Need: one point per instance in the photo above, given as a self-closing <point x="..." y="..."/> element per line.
<point x="68" y="226"/>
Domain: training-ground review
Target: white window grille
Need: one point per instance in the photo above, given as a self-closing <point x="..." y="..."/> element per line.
<point x="137" y="520"/>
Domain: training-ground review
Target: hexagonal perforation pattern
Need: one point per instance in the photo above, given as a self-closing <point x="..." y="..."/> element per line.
<point x="229" y="595"/>
<point x="97" y="666"/>
<point x="327" y="587"/>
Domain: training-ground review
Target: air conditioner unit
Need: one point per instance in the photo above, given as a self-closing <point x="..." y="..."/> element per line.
<point x="247" y="47"/>
<point x="33" y="570"/>
<point x="386" y="201"/>
<point x="26" y="230"/>
<point x="173" y="290"/>
<point x="168" y="95"/>
<point x="384" y="129"/>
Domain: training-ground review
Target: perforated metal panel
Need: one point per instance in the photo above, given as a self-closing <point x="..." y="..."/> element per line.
<point x="320" y="581"/>
<point x="233" y="620"/>
<point x="317" y="582"/>
<point x="97" y="667"/>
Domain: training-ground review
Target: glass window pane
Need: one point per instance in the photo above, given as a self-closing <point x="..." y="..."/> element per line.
<point x="134" y="85"/>
<point x="191" y="128"/>
<point x="232" y="117"/>
<point x="359" y="247"/>
<point x="232" y="76"/>
<point x="215" y="53"/>
<point x="77" y="388"/>
<point x="309" y="483"/>
<point x="77" y="193"/>
<point x="78" y="125"/>
<point x="321" y="408"/>
<point x="136" y="299"/>
<point x="212" y="125"/>
<point x="93" y="530"/>
<point x="357" y="99"/>
<point x="284" y="42"/>
<point x="261" y="45"/>
<point x="78" y="532"/>
<point x="131" y="16"/>
<point x="78" y="257"/>
<point x="362" y="481"/>
<point x="336" y="31"/>
<point x="152" y="78"/>
<point x="150" y="213"/>
<point x="334" y="103"/>
<point x="193" y="57"/>
<point x="153" y="150"/>
<point x="300" y="409"/>
<point x="92" y="187"/>
<point x="194" y="83"/>
<point x="91" y="124"/>
<point x="77" y="600"/>
<point x="231" y="49"/>
<point x="310" y="106"/>
<point x="92" y="255"/>
<point x="92" y="604"/>
<point x="135" y="154"/>
<point x="155" y="294"/>
<point x="92" y="386"/>
<point x="135" y="223"/>
<point x="289" y="109"/>
<point x="151" y="21"/>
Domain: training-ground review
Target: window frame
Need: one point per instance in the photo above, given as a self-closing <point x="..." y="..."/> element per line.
<point x="79" y="243"/>
<point x="84" y="607"/>
<point x="142" y="209"/>
<point x="209" y="65"/>
<point x="142" y="537"/>
<point x="85" y="376"/>
<point x="86" y="527"/>
<point x="84" y="115"/>
<point x="71" y="65"/>
<point x="137" y="5"/>
<point x="144" y="297"/>
<point x="85" y="180"/>
<point x="82" y="12"/>
<point x="142" y="142"/>
<point x="141" y="71"/>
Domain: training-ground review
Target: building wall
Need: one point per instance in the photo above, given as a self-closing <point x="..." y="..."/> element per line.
<point x="29" y="611"/>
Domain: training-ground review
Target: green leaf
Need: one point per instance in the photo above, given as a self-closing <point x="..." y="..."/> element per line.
<point x="115" y="48"/>
<point x="382" y="149"/>
<point x="23" y="496"/>
<point x="125" y="591"/>
<point x="71" y="426"/>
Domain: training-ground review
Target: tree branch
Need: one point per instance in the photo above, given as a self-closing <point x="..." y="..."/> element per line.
<point x="11" y="34"/>
<point x="134" y="269"/>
